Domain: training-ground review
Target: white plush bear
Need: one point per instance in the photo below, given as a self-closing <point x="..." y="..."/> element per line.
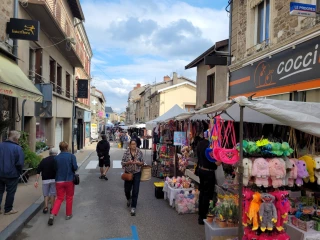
<point x="247" y="170"/>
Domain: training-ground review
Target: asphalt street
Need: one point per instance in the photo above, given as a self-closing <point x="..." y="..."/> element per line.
<point x="100" y="211"/>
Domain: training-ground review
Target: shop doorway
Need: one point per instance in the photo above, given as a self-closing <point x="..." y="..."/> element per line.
<point x="80" y="134"/>
<point x="58" y="133"/>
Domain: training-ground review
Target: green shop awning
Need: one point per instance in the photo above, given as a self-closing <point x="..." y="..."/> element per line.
<point x="14" y="83"/>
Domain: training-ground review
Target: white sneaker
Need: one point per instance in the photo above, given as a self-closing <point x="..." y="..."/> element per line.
<point x="11" y="212"/>
<point x="133" y="211"/>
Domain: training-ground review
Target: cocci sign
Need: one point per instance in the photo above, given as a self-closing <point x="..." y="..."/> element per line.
<point x="290" y="70"/>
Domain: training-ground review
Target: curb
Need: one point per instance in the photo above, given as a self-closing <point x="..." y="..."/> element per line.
<point x="17" y="225"/>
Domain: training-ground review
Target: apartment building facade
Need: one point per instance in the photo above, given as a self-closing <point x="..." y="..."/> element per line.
<point x="61" y="53"/>
<point x="98" y="111"/>
<point x="275" y="54"/>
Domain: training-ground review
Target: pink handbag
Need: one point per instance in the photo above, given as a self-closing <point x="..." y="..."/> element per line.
<point x="228" y="156"/>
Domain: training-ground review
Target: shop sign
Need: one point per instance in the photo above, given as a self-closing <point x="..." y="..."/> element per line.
<point x="83" y="88"/>
<point x="87" y="116"/>
<point x="302" y="9"/>
<point x="23" y="29"/>
<point x="290" y="70"/>
<point x="79" y="114"/>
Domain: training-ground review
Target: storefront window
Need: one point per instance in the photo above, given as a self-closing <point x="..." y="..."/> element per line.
<point x="87" y="130"/>
<point x="40" y="130"/>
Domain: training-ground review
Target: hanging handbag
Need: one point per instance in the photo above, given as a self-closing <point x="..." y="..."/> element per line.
<point x="228" y="156"/>
<point x="145" y="173"/>
<point x="76" y="179"/>
<point x="127" y="176"/>
<point x="209" y="150"/>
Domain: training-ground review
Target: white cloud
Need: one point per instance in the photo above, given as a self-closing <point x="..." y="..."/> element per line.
<point x="137" y="27"/>
<point x="143" y="40"/>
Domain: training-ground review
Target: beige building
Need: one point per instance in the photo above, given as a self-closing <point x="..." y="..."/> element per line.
<point x="132" y="112"/>
<point x="112" y="116"/>
<point x="212" y="79"/>
<point x="274" y="53"/>
<point x="98" y="113"/>
<point x="51" y="64"/>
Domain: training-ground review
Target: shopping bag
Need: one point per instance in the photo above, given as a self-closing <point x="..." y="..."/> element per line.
<point x="145" y="173"/>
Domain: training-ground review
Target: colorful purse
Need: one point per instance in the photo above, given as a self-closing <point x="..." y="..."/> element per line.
<point x="214" y="138"/>
<point x="228" y="156"/>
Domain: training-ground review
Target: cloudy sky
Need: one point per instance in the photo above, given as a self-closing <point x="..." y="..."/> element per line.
<point x="141" y="41"/>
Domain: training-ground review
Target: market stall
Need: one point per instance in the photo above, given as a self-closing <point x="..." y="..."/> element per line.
<point x="276" y="153"/>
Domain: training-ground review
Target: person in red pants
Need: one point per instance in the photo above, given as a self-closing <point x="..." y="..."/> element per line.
<point x="65" y="166"/>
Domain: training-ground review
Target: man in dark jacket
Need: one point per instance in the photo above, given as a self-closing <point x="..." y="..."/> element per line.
<point x="136" y="139"/>
<point x="206" y="172"/>
<point x="11" y="165"/>
<point x="48" y="172"/>
<point x="103" y="148"/>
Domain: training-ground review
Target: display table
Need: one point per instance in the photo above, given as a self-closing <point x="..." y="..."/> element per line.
<point x="298" y="234"/>
<point x="214" y="232"/>
<point x="171" y="193"/>
<point x="191" y="175"/>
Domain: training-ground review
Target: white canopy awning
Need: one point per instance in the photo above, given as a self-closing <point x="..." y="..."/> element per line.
<point x="171" y="113"/>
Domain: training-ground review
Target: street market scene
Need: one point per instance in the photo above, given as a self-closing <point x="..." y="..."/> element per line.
<point x="147" y="120"/>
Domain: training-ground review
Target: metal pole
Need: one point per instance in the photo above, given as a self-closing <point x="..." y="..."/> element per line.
<point x="22" y="115"/>
<point x="240" y="176"/>
<point x="15" y="41"/>
<point x="73" y="111"/>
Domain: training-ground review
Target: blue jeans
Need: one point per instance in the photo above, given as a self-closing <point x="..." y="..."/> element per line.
<point x="10" y="185"/>
<point x="134" y="186"/>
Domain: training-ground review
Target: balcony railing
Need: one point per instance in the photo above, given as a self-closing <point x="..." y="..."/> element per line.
<point x="62" y="17"/>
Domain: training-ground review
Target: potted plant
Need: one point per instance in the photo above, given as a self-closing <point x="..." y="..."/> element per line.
<point x="211" y="212"/>
<point x="223" y="214"/>
<point x="235" y="215"/>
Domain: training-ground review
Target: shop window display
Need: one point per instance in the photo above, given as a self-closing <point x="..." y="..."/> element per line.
<point x="40" y="130"/>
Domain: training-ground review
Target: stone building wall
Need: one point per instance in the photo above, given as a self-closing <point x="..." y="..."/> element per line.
<point x="6" y="12"/>
<point x="284" y="29"/>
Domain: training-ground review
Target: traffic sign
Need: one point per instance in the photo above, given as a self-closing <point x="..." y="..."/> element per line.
<point x="302" y="9"/>
<point x="107" y="115"/>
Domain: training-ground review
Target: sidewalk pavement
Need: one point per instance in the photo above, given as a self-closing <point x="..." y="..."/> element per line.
<point x="29" y="200"/>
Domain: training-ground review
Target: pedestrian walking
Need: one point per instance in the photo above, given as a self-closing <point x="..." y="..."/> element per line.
<point x="11" y="165"/>
<point x="48" y="173"/>
<point x="117" y="135"/>
<point x="65" y="166"/>
<point x="132" y="162"/>
<point x="103" y="148"/>
<point x="136" y="139"/>
<point x="206" y="172"/>
<point x="127" y="140"/>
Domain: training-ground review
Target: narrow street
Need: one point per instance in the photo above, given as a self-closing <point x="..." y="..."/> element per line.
<point x="100" y="211"/>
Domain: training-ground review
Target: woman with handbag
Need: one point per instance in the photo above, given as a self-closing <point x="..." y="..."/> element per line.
<point x="132" y="163"/>
<point x="65" y="166"/>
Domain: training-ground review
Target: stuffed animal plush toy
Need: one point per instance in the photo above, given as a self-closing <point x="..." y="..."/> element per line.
<point x="277" y="172"/>
<point x="247" y="165"/>
<point x="317" y="171"/>
<point x="260" y="170"/>
<point x="284" y="179"/>
<point x="293" y="173"/>
<point x="301" y="173"/>
<point x="267" y="212"/>
<point x="254" y="210"/>
<point x="311" y="165"/>
<point x="247" y="198"/>
<point x="283" y="207"/>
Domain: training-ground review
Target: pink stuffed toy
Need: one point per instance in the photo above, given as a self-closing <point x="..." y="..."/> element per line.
<point x="283" y="207"/>
<point x="277" y="172"/>
<point x="301" y="172"/>
<point x="293" y="173"/>
<point x="247" y="198"/>
<point x="260" y="170"/>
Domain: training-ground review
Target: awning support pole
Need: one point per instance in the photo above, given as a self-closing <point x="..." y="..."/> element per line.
<point x="22" y="115"/>
<point x="240" y="176"/>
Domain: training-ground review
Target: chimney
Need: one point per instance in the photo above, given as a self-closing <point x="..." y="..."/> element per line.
<point x="138" y="86"/>
<point x="166" y="78"/>
<point x="175" y="78"/>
